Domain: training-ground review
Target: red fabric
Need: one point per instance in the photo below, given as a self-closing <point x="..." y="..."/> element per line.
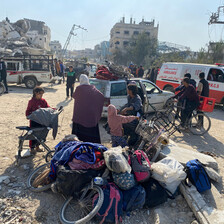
<point x="35" y="104"/>
<point x="105" y="74"/>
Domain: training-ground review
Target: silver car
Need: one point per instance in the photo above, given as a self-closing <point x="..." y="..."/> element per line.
<point x="115" y="92"/>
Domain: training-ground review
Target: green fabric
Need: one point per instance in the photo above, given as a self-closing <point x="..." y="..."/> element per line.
<point x="70" y="73"/>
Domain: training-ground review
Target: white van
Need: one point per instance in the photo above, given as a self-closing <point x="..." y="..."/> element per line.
<point x="171" y="74"/>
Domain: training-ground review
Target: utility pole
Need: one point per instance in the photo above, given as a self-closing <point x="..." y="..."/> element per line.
<point x="71" y="33"/>
<point x="215" y="17"/>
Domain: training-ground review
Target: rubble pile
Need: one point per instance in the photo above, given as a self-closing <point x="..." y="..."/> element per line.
<point x="18" y="38"/>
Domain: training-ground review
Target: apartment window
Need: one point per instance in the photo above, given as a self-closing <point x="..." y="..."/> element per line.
<point x="45" y="32"/>
<point x="117" y="42"/>
<point x="135" y="32"/>
<point x="126" y="32"/>
<point x="147" y="33"/>
<point x="117" y="31"/>
<point x="125" y="43"/>
<point x="40" y="38"/>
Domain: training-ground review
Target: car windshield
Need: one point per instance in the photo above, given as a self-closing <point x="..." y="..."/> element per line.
<point x="101" y="86"/>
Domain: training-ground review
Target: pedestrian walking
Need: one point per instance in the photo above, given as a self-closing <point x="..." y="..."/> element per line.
<point x="3" y="74"/>
<point x="140" y="72"/>
<point x="70" y="82"/>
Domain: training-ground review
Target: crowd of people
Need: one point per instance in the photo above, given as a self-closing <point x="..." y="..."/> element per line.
<point x="88" y="106"/>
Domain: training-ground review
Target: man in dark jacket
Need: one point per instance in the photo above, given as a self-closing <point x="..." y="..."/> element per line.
<point x="140" y="72"/>
<point x="3" y="74"/>
<point x="203" y="86"/>
<point x="203" y="90"/>
<point x="190" y="98"/>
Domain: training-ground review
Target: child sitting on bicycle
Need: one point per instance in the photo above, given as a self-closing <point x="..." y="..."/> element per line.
<point x="35" y="103"/>
<point x="115" y="122"/>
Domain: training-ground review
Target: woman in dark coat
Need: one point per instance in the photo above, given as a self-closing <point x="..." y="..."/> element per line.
<point x="88" y="107"/>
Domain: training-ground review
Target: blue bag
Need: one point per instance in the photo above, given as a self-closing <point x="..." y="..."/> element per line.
<point x="134" y="198"/>
<point x="197" y="175"/>
<point x="111" y="209"/>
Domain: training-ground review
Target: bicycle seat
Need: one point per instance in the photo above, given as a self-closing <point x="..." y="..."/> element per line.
<point x="23" y="128"/>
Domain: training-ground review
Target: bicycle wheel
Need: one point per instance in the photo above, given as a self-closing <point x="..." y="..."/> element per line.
<point x="81" y="210"/>
<point x="199" y="124"/>
<point x="49" y="156"/>
<point x="38" y="180"/>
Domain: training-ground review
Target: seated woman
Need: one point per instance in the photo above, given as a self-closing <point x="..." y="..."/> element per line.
<point x="133" y="107"/>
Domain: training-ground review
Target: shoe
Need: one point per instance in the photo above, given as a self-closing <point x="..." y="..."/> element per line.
<point x="71" y="98"/>
<point x="66" y="98"/>
<point x="6" y="92"/>
<point x="38" y="149"/>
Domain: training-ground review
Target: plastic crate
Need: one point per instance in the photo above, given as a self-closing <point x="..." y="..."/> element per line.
<point x="206" y="104"/>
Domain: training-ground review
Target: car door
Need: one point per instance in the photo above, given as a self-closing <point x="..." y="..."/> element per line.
<point x="12" y="71"/>
<point x="156" y="97"/>
<point x="118" y="93"/>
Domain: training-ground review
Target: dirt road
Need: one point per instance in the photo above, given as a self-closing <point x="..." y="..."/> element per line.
<point x="18" y="204"/>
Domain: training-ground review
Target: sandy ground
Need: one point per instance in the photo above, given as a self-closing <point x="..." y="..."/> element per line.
<point x="19" y="205"/>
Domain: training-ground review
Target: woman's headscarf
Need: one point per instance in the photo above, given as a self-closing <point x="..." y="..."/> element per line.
<point x="84" y="80"/>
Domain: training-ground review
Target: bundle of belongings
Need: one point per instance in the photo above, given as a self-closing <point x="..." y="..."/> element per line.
<point x="111" y="72"/>
<point x="130" y="181"/>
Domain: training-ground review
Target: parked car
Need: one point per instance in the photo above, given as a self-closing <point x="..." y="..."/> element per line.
<point x="115" y="92"/>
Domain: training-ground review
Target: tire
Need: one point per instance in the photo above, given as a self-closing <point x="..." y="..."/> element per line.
<point x="20" y="148"/>
<point x="2" y="88"/>
<point x="34" y="175"/>
<point x="69" y="207"/>
<point x="169" y="88"/>
<point x="30" y="82"/>
<point x="195" y="126"/>
<point x="49" y="156"/>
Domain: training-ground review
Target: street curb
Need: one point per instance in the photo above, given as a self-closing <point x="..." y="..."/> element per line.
<point x="203" y="213"/>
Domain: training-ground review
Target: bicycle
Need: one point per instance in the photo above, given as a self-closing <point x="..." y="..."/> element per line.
<point x="198" y="122"/>
<point x="149" y="137"/>
<point x="77" y="209"/>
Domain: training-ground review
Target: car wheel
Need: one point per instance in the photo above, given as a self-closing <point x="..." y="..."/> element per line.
<point x="30" y="82"/>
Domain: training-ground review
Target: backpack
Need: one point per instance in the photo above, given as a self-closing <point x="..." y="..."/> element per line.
<point x="134" y="198"/>
<point x="111" y="209"/>
<point x="69" y="182"/>
<point x="155" y="193"/>
<point x="124" y="181"/>
<point x="140" y="164"/>
<point x="197" y="175"/>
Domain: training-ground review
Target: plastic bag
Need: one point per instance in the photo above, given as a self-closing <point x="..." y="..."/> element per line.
<point x="115" y="160"/>
<point x="169" y="172"/>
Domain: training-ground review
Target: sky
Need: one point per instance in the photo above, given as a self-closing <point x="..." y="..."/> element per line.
<point x="183" y="22"/>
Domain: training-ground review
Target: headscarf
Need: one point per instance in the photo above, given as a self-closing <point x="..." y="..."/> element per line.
<point x="84" y="80"/>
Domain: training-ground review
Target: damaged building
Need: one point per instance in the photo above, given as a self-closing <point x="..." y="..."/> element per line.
<point x="25" y="36"/>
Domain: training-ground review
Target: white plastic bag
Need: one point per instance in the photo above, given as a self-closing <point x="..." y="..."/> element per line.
<point x="116" y="161"/>
<point x="169" y="172"/>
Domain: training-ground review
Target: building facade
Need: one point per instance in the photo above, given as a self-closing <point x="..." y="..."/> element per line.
<point x="55" y="47"/>
<point x="122" y="33"/>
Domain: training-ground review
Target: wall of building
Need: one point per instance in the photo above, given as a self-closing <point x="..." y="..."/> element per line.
<point x="122" y="32"/>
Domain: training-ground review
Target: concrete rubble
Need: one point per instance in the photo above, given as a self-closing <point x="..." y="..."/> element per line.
<point x="23" y="37"/>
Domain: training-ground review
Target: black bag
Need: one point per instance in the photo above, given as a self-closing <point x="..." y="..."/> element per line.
<point x="155" y="193"/>
<point x="69" y="182"/>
